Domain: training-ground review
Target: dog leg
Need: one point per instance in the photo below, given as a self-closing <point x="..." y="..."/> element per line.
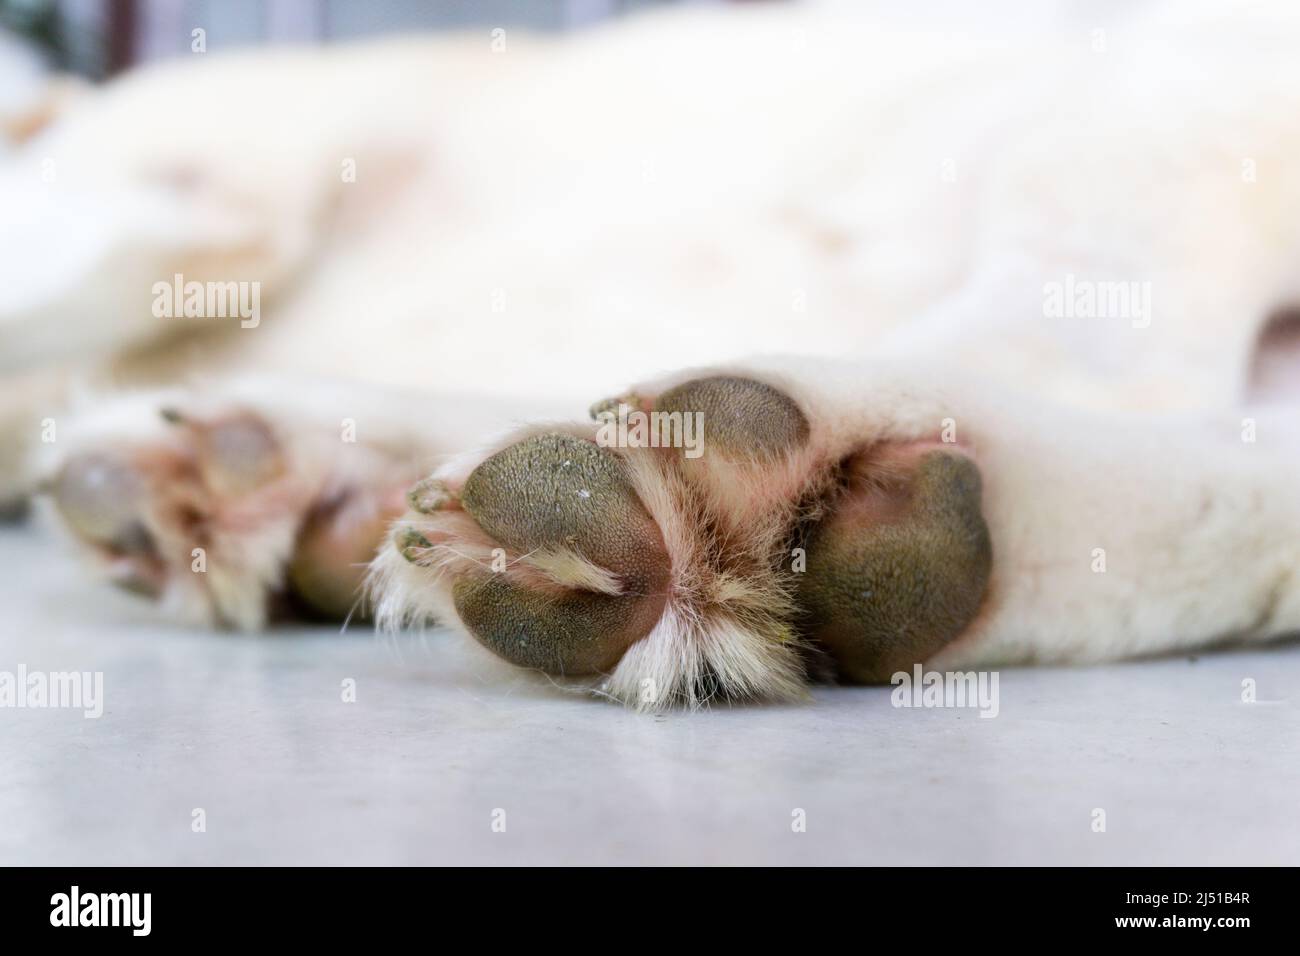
<point x="839" y="518"/>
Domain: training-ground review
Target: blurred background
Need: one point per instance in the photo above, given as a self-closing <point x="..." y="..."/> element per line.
<point x="97" y="38"/>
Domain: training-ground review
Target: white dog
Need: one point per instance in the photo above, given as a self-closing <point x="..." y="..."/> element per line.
<point x="256" y="299"/>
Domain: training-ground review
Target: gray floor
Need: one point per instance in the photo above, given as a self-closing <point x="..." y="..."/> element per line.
<point x="254" y="732"/>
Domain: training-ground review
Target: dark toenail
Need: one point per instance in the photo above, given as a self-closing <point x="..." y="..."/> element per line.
<point x="610" y="406"/>
<point x="412" y="544"/>
<point x="428" y="495"/>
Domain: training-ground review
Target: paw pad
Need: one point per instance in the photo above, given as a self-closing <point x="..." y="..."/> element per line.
<point x="742" y="418"/>
<point x="567" y="510"/>
<point x="895" y="573"/>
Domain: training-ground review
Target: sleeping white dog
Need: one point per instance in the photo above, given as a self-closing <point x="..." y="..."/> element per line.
<point x="269" y="314"/>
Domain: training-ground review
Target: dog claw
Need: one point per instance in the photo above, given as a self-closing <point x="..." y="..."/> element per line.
<point x="610" y="406"/>
<point x="412" y="544"/>
<point x="429" y="495"/>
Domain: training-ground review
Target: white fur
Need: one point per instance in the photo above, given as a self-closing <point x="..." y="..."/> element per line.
<point x="547" y="224"/>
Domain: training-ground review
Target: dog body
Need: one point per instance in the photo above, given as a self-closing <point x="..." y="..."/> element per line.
<point x="1058" y="258"/>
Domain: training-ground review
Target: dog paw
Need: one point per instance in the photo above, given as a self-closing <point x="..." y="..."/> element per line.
<point x="724" y="536"/>
<point x="229" y="512"/>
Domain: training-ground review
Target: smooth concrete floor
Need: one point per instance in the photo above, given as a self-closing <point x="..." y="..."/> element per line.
<point x="253" y="731"/>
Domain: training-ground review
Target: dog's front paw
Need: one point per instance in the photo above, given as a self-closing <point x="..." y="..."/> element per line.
<point x="713" y="537"/>
<point x="225" y="512"/>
